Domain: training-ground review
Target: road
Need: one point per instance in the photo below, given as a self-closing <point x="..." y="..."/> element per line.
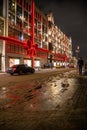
<point x="55" y="100"/>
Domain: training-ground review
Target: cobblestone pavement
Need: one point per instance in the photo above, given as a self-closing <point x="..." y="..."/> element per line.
<point x="55" y="100"/>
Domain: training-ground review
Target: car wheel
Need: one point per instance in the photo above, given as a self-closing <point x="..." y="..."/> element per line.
<point x="32" y="71"/>
<point x="20" y="72"/>
<point x="11" y="74"/>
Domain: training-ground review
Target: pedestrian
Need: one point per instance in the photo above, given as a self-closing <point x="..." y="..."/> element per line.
<point x="80" y="65"/>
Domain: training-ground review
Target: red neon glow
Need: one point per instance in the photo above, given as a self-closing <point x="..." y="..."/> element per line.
<point x="13" y="40"/>
<point x="32" y="48"/>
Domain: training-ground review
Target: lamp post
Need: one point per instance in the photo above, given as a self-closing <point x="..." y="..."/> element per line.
<point x="77" y="51"/>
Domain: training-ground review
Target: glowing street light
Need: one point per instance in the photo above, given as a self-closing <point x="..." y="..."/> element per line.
<point x="77" y="51"/>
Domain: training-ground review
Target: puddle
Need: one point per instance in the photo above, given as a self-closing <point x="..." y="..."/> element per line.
<point x="50" y="94"/>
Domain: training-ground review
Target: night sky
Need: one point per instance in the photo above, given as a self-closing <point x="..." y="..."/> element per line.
<point x="71" y="17"/>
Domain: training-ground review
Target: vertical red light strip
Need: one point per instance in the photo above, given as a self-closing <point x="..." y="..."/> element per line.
<point x="32" y="17"/>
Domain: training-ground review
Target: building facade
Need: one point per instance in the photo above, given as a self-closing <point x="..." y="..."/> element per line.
<point x="59" y="43"/>
<point x="28" y="36"/>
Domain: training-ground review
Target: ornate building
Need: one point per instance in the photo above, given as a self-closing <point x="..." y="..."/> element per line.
<point x="59" y="43"/>
<point x="28" y="36"/>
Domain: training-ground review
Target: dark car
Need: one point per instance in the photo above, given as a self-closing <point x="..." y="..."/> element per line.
<point x="20" y="69"/>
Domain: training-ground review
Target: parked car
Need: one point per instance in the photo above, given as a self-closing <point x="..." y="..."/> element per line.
<point x="20" y="69"/>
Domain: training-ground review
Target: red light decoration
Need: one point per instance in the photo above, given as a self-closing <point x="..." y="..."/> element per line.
<point x="31" y="48"/>
<point x="13" y="40"/>
<point x="31" y="52"/>
<point x="65" y="58"/>
<point x="29" y="44"/>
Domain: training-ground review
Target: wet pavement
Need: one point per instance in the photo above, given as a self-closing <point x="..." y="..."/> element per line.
<point x="54" y="102"/>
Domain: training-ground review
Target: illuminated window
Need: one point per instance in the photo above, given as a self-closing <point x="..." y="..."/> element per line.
<point x="12" y="5"/>
<point x="37" y="63"/>
<point x="28" y="62"/>
<point x="11" y="19"/>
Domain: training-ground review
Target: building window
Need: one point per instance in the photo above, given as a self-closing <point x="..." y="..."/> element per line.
<point x="50" y="46"/>
<point x="1" y="27"/>
<point x="26" y="4"/>
<point x="11" y="19"/>
<point x="13" y="61"/>
<point x="19" y="11"/>
<point x="19" y="23"/>
<point x="12" y="5"/>
<point x="26" y="16"/>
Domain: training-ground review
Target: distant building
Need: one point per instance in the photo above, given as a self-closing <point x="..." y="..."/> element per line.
<point x="59" y="43"/>
<point x="28" y="36"/>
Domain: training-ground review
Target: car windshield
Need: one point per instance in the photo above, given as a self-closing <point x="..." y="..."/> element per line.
<point x="14" y="66"/>
<point x="26" y="65"/>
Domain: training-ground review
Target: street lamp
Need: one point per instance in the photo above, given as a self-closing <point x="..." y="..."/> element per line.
<point x="77" y="51"/>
